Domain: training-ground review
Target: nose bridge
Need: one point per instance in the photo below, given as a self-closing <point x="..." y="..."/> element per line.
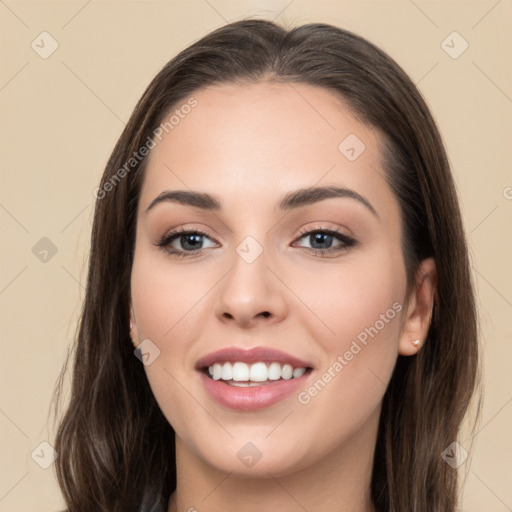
<point x="250" y="290"/>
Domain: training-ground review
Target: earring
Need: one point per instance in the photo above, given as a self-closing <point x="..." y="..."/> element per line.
<point x="131" y="325"/>
<point x="416" y="343"/>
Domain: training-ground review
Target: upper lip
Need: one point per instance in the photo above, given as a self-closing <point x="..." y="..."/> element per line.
<point x="251" y="355"/>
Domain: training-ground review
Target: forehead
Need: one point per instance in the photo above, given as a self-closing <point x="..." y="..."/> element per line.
<point x="263" y="139"/>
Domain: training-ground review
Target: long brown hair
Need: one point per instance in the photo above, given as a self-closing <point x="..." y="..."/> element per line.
<point x="116" y="449"/>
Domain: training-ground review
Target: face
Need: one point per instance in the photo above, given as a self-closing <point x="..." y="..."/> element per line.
<point x="311" y="285"/>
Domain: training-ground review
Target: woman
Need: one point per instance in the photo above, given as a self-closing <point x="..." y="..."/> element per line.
<point x="278" y="234"/>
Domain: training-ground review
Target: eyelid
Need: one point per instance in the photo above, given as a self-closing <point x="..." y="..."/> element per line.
<point x="175" y="232"/>
<point x="347" y="241"/>
<point x="321" y="227"/>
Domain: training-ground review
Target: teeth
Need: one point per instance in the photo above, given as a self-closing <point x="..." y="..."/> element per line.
<point x="240" y="371"/>
<point x="227" y="371"/>
<point x="298" y="372"/>
<point x="217" y="371"/>
<point x="244" y="375"/>
<point x="274" y="371"/>
<point x="287" y="371"/>
<point x="257" y="372"/>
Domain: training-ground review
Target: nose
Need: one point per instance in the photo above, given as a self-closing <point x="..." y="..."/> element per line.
<point x="251" y="294"/>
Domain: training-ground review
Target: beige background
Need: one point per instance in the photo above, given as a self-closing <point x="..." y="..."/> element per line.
<point x="61" y="116"/>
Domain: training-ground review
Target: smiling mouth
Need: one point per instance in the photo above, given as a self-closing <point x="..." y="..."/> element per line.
<point x="240" y="374"/>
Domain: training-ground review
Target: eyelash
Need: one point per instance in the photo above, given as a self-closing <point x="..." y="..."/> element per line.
<point x="347" y="241"/>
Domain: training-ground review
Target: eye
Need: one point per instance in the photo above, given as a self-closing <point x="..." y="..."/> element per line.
<point x="323" y="240"/>
<point x="183" y="242"/>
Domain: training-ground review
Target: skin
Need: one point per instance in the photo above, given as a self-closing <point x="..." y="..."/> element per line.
<point x="249" y="145"/>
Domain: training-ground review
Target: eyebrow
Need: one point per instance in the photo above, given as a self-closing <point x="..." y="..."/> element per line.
<point x="292" y="200"/>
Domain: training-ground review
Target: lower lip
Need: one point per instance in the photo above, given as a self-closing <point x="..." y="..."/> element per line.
<point x="251" y="398"/>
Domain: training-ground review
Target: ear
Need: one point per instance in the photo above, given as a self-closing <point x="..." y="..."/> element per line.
<point x="134" y="333"/>
<point x="419" y="309"/>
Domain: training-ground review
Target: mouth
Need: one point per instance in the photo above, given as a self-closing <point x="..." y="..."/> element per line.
<point x="252" y="379"/>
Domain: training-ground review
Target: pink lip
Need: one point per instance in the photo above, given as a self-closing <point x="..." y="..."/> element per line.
<point x="251" y="398"/>
<point x="256" y="397"/>
<point x="252" y="355"/>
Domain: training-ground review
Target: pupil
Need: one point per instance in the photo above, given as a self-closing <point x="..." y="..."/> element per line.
<point x="193" y="241"/>
<point x="321" y="237"/>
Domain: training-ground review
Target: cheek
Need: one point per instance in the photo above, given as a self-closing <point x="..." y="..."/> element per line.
<point x="346" y="300"/>
<point x="170" y="306"/>
<point x="164" y="298"/>
<point x="360" y="308"/>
